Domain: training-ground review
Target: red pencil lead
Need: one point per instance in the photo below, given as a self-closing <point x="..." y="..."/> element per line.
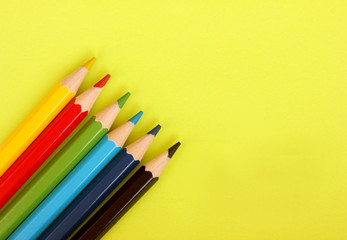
<point x="103" y="81"/>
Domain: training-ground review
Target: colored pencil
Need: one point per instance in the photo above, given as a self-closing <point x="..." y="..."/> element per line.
<point x="48" y="141"/>
<point x="76" y="180"/>
<point x="125" y="197"/>
<point x="41" y="116"/>
<point x="44" y="182"/>
<point x="97" y="191"/>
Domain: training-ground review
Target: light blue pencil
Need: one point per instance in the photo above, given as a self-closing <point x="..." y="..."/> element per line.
<point x="75" y="181"/>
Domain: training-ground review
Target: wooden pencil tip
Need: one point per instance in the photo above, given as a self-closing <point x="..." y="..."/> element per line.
<point x="173" y="149"/>
<point x="88" y="65"/>
<point x="103" y="81"/>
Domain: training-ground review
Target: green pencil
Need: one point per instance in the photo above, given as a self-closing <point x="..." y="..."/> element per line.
<point x="27" y="200"/>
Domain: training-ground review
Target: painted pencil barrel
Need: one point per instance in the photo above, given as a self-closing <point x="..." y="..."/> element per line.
<point x="13" y="215"/>
<point x="67" y="190"/>
<point x="116" y="206"/>
<point x="33" y="125"/>
<point x="41" y="116"/>
<point x="48" y="141"/>
<point x="40" y="150"/>
<point x="91" y="197"/>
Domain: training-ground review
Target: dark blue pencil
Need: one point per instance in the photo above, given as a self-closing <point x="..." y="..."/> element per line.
<point x="98" y="190"/>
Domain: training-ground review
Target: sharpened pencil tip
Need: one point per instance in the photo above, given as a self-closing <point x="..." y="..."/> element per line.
<point x="155" y="130"/>
<point x="103" y="81"/>
<point x="88" y="65"/>
<point x="173" y="149"/>
<point x="123" y="99"/>
<point x="136" y="118"/>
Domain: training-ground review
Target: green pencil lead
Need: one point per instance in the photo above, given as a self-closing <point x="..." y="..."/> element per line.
<point x="121" y="101"/>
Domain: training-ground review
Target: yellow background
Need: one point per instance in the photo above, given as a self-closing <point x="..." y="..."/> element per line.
<point x="255" y="90"/>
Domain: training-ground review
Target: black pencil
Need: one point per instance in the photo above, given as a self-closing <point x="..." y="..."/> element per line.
<point x="125" y="197"/>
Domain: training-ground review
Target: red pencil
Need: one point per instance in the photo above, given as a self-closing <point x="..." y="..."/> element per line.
<point x="48" y="141"/>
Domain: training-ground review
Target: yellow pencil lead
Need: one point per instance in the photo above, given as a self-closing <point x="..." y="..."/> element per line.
<point x="90" y="63"/>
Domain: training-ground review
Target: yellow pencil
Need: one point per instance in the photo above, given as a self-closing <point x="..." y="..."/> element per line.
<point x="41" y="116"/>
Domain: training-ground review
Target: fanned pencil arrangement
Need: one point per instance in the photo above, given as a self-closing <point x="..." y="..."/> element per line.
<point x="44" y="197"/>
